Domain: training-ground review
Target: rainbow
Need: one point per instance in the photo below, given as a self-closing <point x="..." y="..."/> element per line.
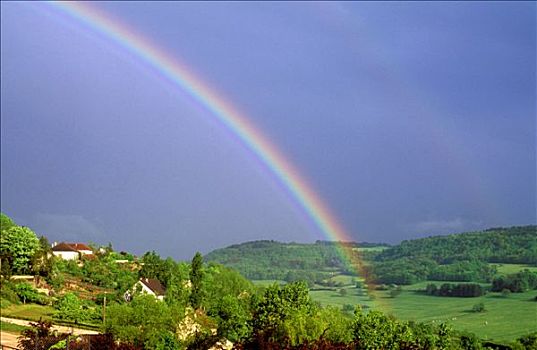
<point x="180" y="76"/>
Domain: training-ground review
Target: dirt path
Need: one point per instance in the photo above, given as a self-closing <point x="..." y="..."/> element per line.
<point x="8" y="340"/>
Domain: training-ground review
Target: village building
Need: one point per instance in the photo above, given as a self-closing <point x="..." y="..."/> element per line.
<point x="150" y="286"/>
<point x="82" y="248"/>
<point x="71" y="251"/>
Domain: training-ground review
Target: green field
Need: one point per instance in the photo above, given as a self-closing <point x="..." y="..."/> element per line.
<point x="32" y="312"/>
<point x="506" y="269"/>
<point x="333" y="297"/>
<point x="370" y="249"/>
<point x="345" y="279"/>
<point x="505" y="318"/>
<point x="266" y="283"/>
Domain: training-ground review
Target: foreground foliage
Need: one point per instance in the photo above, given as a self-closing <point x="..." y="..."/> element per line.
<point x="206" y="304"/>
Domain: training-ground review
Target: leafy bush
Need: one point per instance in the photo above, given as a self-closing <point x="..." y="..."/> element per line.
<point x="70" y="308"/>
<point x="40" y="336"/>
<point x="479" y="307"/>
<point x="4" y="303"/>
<point x="8" y="293"/>
<point x="516" y="283"/>
<point x="29" y="294"/>
<point x="528" y="341"/>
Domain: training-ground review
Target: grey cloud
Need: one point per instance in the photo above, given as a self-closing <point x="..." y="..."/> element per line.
<point x="67" y="227"/>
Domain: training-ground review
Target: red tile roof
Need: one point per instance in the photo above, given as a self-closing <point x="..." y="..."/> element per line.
<point x="63" y="247"/>
<point x="70" y="247"/>
<point x="80" y="246"/>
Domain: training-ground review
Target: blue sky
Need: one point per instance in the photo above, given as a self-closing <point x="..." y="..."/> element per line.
<point x="408" y="119"/>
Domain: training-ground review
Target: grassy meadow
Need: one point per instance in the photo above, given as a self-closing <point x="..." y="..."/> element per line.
<point x="334" y="297"/>
<point x="506" y="269"/>
<point x="504" y="318"/>
<point x="31" y="312"/>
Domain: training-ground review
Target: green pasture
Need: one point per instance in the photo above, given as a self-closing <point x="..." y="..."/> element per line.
<point x="506" y="269"/>
<point x="32" y="312"/>
<point x="266" y="283"/>
<point x="504" y="319"/>
<point x="345" y="279"/>
<point x="333" y="297"/>
<point x="370" y="249"/>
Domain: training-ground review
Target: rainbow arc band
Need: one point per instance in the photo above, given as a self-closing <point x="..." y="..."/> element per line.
<point x="171" y="69"/>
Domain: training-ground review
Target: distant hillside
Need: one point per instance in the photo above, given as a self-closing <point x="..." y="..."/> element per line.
<point x="496" y="245"/>
<point x="457" y="257"/>
<point x="262" y="260"/>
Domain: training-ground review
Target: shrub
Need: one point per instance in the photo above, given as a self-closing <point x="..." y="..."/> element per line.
<point x="7" y="292"/>
<point x="348" y="308"/>
<point x="29" y="294"/>
<point x="40" y="336"/>
<point x="4" y="303"/>
<point x="529" y="341"/>
<point x="506" y="292"/>
<point x="395" y="292"/>
<point x="479" y="307"/>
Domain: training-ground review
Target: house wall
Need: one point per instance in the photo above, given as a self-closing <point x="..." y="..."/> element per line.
<point x="67" y="255"/>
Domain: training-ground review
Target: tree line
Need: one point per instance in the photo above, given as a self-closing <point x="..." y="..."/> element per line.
<point x="463" y="257"/>
<point x="455" y="290"/>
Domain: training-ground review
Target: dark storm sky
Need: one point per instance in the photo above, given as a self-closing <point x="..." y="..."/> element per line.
<point x="408" y="119"/>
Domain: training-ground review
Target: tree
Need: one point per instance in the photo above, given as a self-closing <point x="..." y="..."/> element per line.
<point x="28" y="294"/>
<point x="6" y="222"/>
<point x="71" y="308"/>
<point x="286" y="315"/>
<point x="152" y="265"/>
<point x="42" y="259"/>
<point x="196" y="279"/>
<point x="233" y="317"/>
<point x="140" y="320"/>
<point x="19" y="243"/>
<point x="162" y="341"/>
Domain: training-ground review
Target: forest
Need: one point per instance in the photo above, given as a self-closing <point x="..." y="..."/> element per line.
<point x="208" y="304"/>
<point x="467" y="257"/>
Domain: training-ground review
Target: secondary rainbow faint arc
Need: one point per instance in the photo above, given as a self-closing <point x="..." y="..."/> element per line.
<point x="229" y="116"/>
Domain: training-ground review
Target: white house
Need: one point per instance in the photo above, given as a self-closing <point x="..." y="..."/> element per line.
<point x="65" y="251"/>
<point x="71" y="251"/>
<point x="82" y="248"/>
<point x="149" y="286"/>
